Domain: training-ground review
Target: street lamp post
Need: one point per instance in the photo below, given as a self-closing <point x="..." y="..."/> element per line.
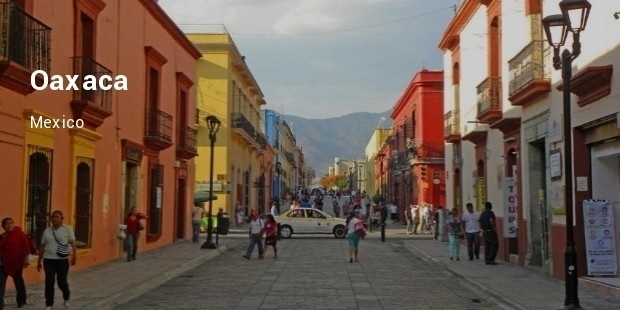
<point x="381" y="156"/>
<point x="557" y="28"/>
<point x="278" y="196"/>
<point x="214" y="125"/>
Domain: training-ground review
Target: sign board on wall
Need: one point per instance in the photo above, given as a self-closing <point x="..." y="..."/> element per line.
<point x="598" y="218"/>
<point x="510" y="207"/>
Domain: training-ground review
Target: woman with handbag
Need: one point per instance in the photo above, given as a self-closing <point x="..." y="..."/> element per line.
<point x="356" y="232"/>
<point x="54" y="252"/>
<point x="14" y="252"/>
<point x="134" y="226"/>
<point x="271" y="235"/>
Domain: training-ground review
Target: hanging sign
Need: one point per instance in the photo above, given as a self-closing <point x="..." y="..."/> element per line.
<point x="598" y="218"/>
<point x="510" y="208"/>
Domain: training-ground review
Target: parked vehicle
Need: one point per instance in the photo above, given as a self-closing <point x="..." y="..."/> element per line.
<point x="310" y="221"/>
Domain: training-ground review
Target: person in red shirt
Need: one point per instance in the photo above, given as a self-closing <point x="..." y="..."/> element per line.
<point x="14" y="248"/>
<point x="271" y="235"/>
<point x="133" y="231"/>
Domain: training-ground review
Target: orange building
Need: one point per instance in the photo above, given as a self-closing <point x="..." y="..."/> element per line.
<point x="415" y="156"/>
<point x="118" y="135"/>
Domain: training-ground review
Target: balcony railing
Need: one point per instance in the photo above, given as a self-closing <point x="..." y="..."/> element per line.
<point x="158" y="131"/>
<point x="186" y="144"/>
<point x="528" y="76"/>
<point x="84" y="66"/>
<point x="489" y="99"/>
<point x="451" y="121"/>
<point x="254" y="137"/>
<point x="23" y="39"/>
<point x="24" y="47"/>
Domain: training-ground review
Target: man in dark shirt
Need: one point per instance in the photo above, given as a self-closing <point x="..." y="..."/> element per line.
<point x="489" y="232"/>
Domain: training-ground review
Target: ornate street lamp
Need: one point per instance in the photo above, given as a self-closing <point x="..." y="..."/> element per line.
<point x="573" y="18"/>
<point x="214" y="125"/>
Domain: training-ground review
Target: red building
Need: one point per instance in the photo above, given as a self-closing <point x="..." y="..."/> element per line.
<point x="416" y="148"/>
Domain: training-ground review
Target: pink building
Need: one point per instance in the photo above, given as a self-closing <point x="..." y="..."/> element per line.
<point x="90" y="151"/>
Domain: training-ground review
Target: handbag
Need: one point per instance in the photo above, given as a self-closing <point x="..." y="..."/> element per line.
<point x="140" y="225"/>
<point x="63" y="249"/>
<point x="121" y="234"/>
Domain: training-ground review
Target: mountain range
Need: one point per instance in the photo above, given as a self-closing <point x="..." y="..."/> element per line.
<point x="345" y="136"/>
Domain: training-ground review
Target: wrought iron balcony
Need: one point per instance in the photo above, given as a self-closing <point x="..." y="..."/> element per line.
<point x="529" y="78"/>
<point x="452" y="124"/>
<point x="24" y="47"/>
<point x="93" y="106"/>
<point x="489" y="99"/>
<point x="158" y="131"/>
<point x="186" y="144"/>
<point x="261" y="139"/>
<point x="244" y="128"/>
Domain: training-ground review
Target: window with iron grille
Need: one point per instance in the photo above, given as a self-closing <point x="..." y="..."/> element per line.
<point x="38" y="192"/>
<point x="246" y="189"/>
<point x="84" y="201"/>
<point x="156" y="190"/>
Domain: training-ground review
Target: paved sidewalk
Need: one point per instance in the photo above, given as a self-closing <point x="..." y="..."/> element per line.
<point x="117" y="282"/>
<point x="507" y="284"/>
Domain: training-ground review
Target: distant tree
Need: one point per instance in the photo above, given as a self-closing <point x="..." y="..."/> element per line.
<point x="334" y="181"/>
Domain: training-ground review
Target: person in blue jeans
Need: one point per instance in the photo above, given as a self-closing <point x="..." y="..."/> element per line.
<point x="257" y="229"/>
<point x="472" y="231"/>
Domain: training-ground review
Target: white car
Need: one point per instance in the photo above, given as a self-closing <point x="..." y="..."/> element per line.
<point x="310" y="221"/>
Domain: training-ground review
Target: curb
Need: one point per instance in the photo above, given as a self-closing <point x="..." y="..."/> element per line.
<point x="157" y="280"/>
<point x="493" y="295"/>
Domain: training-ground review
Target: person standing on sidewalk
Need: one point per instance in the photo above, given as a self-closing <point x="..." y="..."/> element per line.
<point x="14" y="251"/>
<point x="489" y="232"/>
<point x="257" y="229"/>
<point x="132" y="220"/>
<point x="239" y="213"/>
<point x="54" y="265"/>
<point x="408" y="218"/>
<point x="454" y="234"/>
<point x="196" y="219"/>
<point x="472" y="231"/>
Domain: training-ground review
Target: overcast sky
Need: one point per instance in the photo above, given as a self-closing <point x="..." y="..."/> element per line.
<point x="326" y="58"/>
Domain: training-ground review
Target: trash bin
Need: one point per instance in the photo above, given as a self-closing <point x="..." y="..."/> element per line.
<point x="223" y="223"/>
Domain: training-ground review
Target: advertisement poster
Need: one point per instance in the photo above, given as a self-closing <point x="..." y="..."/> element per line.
<point x="598" y="217"/>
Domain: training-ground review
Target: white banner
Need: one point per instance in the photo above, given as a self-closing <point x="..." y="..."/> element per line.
<point x="598" y="218"/>
<point x="510" y="208"/>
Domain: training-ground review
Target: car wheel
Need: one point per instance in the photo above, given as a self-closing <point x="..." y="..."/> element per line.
<point x="286" y="231"/>
<point x="340" y="232"/>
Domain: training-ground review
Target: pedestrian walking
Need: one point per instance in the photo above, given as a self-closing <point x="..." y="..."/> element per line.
<point x="454" y="234"/>
<point x="271" y="235"/>
<point x="489" y="233"/>
<point x="336" y="207"/>
<point x="355" y="232"/>
<point x="197" y="214"/>
<point x="257" y="229"/>
<point x="472" y="231"/>
<point x="426" y="215"/>
<point x="239" y="213"/>
<point x="134" y="226"/>
<point x="57" y="245"/>
<point x="15" y="247"/>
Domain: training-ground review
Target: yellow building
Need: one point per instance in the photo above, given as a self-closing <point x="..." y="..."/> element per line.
<point x="227" y="90"/>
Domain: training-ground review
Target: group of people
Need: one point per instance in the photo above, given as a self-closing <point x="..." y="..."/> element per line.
<point x="416" y="215"/>
<point x="55" y="254"/>
<point x="259" y="228"/>
<point x="468" y="226"/>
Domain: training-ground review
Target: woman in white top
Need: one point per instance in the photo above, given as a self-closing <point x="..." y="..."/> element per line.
<point x="355" y="233"/>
